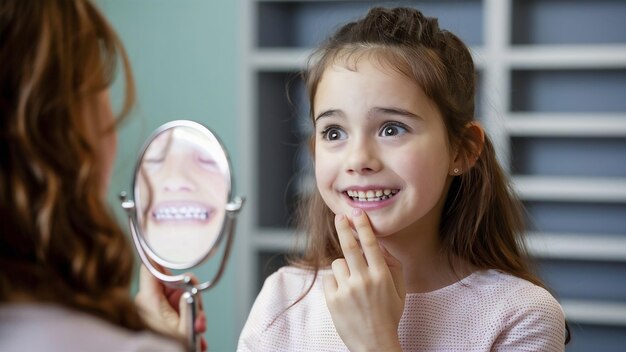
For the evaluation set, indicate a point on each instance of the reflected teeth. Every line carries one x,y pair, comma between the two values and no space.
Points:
372,195
181,213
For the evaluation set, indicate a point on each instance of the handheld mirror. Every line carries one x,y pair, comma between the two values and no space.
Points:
183,208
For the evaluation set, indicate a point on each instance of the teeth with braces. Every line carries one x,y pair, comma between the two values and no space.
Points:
371,195
181,213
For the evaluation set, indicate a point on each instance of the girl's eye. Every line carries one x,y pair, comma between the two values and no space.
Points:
152,164
333,133
207,163
393,129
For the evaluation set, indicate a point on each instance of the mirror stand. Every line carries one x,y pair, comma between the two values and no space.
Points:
184,281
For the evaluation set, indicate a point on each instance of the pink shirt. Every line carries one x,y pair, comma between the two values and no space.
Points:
486,311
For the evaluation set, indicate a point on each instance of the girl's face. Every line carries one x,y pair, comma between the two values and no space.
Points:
380,145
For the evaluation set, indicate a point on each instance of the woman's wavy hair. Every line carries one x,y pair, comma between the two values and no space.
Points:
58,240
482,220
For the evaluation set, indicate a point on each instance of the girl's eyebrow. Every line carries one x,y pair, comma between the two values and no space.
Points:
393,111
373,112
329,113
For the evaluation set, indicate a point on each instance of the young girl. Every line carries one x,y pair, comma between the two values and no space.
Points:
65,264
414,234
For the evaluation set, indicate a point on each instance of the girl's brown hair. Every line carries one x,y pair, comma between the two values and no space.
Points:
58,241
482,221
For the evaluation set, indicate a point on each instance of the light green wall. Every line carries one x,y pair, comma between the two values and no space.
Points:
184,58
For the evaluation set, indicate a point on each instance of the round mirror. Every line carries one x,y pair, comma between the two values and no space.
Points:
181,189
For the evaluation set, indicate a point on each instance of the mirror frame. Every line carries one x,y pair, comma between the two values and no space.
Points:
148,256
216,242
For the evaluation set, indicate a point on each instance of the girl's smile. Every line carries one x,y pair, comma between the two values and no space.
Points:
370,197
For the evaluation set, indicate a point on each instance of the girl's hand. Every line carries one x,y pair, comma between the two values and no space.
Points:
160,307
365,293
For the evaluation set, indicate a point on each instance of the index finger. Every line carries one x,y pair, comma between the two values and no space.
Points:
369,242
349,246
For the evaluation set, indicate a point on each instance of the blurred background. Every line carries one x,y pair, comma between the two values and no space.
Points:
552,95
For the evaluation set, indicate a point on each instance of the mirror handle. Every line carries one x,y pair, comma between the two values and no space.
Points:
191,305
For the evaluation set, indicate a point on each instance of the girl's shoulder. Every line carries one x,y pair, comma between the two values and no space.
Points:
289,280
500,283
287,312
500,291
511,294
529,314
289,270
493,308
286,287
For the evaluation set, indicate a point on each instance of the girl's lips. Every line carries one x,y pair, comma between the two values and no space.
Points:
371,204
182,212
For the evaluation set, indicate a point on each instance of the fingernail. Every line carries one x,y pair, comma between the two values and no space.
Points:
357,212
339,217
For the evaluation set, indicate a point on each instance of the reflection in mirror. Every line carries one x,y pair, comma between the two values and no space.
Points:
181,191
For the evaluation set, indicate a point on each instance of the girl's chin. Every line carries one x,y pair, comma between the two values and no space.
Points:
380,229
386,225
381,233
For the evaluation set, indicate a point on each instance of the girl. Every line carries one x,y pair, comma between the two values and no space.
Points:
414,233
66,263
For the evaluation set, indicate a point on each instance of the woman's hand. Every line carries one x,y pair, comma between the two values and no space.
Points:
163,308
365,293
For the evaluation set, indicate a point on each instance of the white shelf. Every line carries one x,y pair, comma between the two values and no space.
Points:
567,56
531,57
280,59
294,59
566,125
595,247
593,312
571,189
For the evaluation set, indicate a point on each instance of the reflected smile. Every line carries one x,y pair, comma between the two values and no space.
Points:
182,212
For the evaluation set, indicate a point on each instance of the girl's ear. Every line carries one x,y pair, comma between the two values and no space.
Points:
469,149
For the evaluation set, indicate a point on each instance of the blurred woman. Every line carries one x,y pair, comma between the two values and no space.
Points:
66,265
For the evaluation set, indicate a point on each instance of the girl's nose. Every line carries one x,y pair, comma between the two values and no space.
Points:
177,184
363,159
175,178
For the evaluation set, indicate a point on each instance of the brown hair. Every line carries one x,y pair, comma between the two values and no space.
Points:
58,241
482,221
